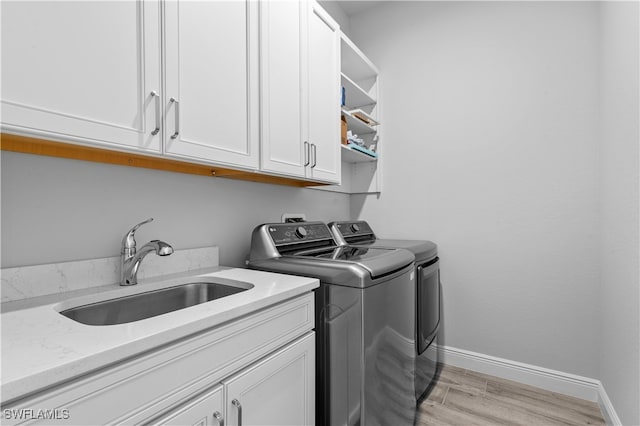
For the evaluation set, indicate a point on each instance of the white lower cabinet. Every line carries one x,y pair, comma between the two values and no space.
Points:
278,390
265,361
204,410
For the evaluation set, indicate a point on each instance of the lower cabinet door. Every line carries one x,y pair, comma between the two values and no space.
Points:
278,390
205,410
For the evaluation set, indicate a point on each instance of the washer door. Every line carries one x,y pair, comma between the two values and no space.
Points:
428,298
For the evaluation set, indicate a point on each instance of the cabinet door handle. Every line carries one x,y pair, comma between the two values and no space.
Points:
236,403
306,153
177,132
313,151
218,418
155,94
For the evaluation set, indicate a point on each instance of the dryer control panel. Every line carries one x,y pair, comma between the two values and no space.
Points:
352,231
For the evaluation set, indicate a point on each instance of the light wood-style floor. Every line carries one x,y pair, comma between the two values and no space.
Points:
465,397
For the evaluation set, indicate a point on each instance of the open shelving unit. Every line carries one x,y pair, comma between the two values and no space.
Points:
361,173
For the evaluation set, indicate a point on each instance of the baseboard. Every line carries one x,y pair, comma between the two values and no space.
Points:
609,413
552,380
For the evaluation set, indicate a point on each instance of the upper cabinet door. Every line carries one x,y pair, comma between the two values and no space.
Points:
211,101
324,95
282,78
300,90
82,71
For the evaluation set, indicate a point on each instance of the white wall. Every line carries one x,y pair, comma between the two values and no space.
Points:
620,293
490,115
337,13
57,210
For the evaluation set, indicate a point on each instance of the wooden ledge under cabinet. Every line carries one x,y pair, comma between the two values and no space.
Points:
29,145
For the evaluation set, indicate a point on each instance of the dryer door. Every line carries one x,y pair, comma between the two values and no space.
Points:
428,298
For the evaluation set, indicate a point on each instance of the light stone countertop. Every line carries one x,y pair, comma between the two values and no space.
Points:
41,347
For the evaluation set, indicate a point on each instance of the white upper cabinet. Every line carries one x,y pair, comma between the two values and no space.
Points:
281,48
300,88
324,94
82,71
211,74
245,84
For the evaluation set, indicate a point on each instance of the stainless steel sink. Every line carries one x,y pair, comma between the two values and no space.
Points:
150,304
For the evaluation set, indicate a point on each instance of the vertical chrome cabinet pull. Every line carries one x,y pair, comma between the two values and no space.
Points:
177,132
155,94
306,153
236,404
313,150
218,418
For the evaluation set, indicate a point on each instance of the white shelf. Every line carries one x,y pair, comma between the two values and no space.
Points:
355,96
353,156
361,173
363,116
354,63
358,126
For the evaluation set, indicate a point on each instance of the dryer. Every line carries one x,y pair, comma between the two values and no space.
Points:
427,296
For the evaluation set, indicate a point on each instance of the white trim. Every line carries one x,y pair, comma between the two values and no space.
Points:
609,413
552,380
544,378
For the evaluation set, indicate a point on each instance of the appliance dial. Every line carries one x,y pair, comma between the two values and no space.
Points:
355,227
301,232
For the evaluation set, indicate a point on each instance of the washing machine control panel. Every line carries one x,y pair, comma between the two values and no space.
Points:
288,233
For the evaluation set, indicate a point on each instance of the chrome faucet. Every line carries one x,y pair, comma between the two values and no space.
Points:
130,260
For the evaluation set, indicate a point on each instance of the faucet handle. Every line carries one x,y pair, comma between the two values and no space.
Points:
129,242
